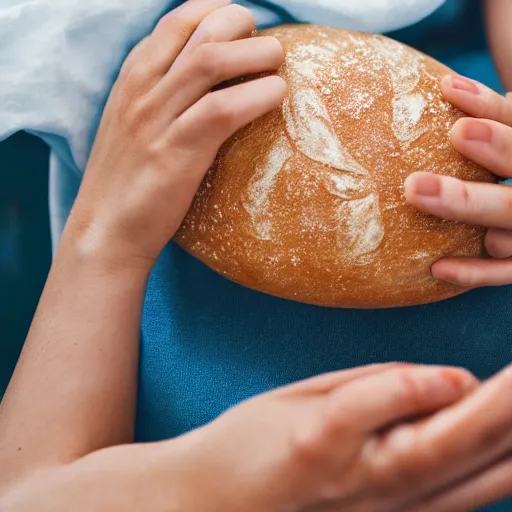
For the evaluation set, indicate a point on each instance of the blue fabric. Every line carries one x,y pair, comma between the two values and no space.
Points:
208,344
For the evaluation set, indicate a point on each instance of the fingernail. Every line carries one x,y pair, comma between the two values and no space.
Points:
460,83
427,185
468,380
478,131
460,380
445,387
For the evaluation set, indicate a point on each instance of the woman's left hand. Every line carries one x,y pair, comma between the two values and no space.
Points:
486,138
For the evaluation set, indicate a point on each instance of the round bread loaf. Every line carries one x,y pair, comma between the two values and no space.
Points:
307,203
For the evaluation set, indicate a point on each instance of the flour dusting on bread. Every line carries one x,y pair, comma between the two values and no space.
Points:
260,187
307,202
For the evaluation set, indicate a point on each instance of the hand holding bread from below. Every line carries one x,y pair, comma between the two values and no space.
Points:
307,203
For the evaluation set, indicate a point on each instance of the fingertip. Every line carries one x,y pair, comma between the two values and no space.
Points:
493,246
459,88
447,89
459,139
245,13
432,387
278,86
461,378
421,185
498,243
446,83
445,270
457,130
279,47
459,272
469,136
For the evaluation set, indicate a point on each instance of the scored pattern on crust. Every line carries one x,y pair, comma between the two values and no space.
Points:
310,130
307,203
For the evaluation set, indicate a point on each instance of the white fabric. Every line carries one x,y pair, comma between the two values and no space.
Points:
365,15
59,58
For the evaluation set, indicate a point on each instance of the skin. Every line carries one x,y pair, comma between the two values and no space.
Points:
331,443
487,140
498,15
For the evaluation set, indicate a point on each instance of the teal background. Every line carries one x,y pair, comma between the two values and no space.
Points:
24,241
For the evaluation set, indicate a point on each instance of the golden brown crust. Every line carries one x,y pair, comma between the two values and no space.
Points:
307,203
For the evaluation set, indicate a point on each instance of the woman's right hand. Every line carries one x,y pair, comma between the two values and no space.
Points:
383,438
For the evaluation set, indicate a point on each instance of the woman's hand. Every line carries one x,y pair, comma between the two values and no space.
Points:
366,440
163,125
383,438
487,140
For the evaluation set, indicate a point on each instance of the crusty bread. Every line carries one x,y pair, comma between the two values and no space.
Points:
307,203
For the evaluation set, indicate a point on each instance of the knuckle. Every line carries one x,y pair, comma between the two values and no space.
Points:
155,148
242,14
336,424
410,391
462,203
135,80
493,245
306,445
490,437
466,198
177,23
133,57
136,114
208,61
137,76
310,442
182,132
222,111
504,111
405,461
279,50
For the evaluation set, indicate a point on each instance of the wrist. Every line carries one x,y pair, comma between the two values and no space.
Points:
95,245
208,475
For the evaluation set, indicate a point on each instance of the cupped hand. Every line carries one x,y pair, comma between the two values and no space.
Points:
165,121
384,438
485,138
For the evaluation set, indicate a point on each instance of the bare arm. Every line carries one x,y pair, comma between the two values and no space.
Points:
499,23
74,389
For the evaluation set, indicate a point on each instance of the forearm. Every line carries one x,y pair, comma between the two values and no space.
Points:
499,21
74,389
128,478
